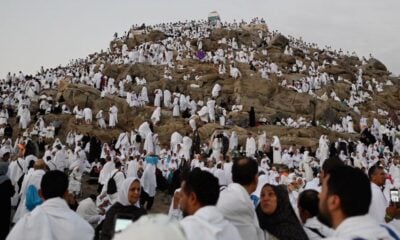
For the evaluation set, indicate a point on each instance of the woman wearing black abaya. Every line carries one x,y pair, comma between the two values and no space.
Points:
252,117
6,192
276,215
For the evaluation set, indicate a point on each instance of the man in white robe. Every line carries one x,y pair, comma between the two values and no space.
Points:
135,141
203,114
176,138
234,72
307,203
129,99
113,117
344,123
60,158
144,95
100,120
105,172
323,149
149,185
157,98
192,123
233,141
87,209
175,109
216,146
148,143
251,146
344,189
167,98
350,128
78,114
261,141
215,90
25,118
132,169
396,147
277,150
75,180
186,146
87,114
119,176
203,220
16,169
235,204
33,177
156,116
379,203
53,219
193,107
123,141
211,109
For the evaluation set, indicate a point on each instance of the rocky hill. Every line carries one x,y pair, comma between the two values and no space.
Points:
269,98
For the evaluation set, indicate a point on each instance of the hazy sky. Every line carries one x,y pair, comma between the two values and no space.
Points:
47,33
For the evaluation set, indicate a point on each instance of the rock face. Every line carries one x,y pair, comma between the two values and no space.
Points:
269,99
279,41
375,64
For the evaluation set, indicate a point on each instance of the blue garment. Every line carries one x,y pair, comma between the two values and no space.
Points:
392,233
153,159
32,199
255,200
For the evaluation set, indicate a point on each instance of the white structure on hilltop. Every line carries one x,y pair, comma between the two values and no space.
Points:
213,17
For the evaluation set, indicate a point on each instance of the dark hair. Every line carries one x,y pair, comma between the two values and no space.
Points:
204,185
6,155
373,169
31,163
331,163
54,184
353,188
309,201
244,170
93,197
118,164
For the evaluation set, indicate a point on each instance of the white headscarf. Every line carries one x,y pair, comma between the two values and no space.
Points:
123,192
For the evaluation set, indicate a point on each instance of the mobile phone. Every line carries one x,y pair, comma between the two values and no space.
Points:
121,222
395,196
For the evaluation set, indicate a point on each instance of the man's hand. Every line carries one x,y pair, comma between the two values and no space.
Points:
392,212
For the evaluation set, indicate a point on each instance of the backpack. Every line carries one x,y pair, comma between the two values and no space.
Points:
112,185
21,178
138,138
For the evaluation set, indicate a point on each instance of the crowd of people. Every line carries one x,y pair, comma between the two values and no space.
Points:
220,189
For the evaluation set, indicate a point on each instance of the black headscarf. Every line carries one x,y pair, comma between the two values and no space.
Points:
283,223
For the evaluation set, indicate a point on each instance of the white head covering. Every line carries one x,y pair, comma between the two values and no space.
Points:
123,192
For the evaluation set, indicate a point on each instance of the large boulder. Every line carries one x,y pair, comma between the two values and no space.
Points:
279,41
375,64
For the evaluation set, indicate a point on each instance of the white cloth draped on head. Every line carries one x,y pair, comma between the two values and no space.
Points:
124,191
